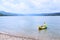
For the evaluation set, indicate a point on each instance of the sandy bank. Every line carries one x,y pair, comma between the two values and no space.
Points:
24,37
14,37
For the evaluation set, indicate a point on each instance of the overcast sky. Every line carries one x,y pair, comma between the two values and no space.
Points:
30,6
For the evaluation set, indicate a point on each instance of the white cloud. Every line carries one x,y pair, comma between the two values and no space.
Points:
8,0
1,7
39,3
3,0
19,7
34,6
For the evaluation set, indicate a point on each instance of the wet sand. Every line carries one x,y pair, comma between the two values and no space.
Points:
15,37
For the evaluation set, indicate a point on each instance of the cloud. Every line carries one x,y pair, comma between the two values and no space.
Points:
18,7
46,5
30,6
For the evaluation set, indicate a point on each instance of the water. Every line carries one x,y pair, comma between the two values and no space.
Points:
29,25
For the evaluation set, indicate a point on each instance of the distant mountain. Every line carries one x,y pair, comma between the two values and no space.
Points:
2,13
52,14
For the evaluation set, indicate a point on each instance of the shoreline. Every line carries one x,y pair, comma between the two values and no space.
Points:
11,37
6,36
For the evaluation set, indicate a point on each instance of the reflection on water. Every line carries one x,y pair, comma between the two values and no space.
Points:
29,25
43,30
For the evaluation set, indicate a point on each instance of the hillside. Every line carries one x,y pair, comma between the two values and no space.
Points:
2,13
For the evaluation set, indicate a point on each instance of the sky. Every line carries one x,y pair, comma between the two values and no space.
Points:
30,6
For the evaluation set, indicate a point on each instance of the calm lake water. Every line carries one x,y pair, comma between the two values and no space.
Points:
29,25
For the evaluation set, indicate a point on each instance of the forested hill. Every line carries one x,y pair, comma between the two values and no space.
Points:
2,13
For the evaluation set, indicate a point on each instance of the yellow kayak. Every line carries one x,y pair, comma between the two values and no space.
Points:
42,27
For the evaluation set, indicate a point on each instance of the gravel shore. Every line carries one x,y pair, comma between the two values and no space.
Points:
14,37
